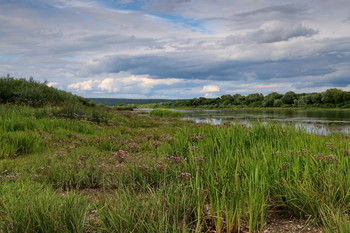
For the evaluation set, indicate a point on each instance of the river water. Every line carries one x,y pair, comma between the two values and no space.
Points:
319,122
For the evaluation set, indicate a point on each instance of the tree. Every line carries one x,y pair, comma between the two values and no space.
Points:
254,98
270,98
238,99
289,97
277,103
332,96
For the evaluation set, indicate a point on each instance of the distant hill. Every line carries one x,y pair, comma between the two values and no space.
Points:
114,101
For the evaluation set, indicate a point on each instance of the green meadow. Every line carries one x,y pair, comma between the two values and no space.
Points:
78,167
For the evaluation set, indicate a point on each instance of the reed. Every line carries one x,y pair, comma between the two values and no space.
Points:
65,169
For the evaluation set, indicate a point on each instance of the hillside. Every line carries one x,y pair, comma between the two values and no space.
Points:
36,94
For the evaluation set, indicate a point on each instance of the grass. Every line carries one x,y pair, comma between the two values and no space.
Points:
165,113
31,207
96,169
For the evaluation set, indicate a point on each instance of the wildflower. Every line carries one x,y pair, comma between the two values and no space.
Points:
185,176
149,137
169,139
121,155
290,152
70,148
160,166
277,152
175,159
133,146
123,142
305,151
12,175
199,158
145,167
157,143
330,146
141,139
41,132
59,154
82,157
197,138
6,174
332,157
227,123
324,157
346,152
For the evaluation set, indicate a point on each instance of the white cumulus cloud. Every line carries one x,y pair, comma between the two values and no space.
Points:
122,83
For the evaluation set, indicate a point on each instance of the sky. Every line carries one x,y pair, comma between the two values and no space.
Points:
177,49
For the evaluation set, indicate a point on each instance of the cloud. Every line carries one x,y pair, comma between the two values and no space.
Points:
273,31
282,10
210,88
347,20
122,83
176,48
52,84
279,63
83,86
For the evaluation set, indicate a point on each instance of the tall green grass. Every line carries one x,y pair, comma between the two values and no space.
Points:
29,207
166,209
247,170
154,174
166,113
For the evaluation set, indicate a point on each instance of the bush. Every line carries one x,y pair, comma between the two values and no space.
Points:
36,94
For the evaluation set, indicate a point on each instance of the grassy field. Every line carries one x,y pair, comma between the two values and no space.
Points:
93,169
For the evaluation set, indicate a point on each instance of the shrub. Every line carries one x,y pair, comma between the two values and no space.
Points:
36,94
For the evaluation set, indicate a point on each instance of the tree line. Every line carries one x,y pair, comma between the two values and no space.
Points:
331,98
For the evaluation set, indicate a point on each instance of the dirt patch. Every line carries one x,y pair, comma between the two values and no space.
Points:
280,223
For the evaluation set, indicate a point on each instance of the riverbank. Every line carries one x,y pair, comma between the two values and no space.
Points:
93,169
155,106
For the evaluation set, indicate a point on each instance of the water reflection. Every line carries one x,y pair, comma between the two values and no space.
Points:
319,122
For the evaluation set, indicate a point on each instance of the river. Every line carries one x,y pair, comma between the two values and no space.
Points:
319,122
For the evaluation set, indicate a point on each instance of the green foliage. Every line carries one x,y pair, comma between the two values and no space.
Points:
26,206
243,169
13,144
329,99
289,98
33,93
166,113
166,209
254,99
73,172
158,174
